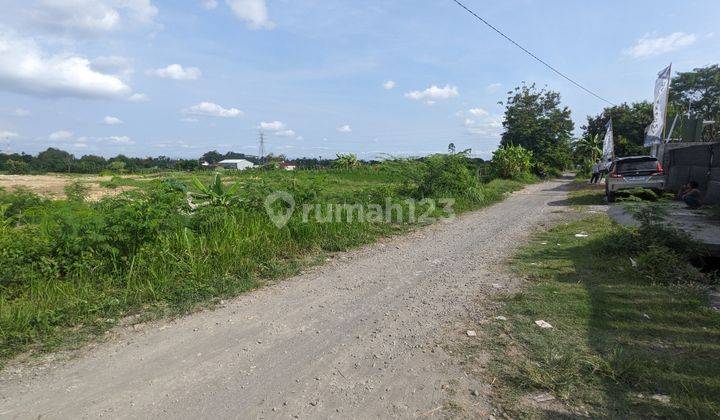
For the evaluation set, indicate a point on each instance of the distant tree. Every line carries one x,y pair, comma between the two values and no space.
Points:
451,148
587,150
535,120
117,166
54,160
212,157
629,124
511,162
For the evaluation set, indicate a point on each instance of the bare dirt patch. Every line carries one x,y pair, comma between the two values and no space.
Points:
53,185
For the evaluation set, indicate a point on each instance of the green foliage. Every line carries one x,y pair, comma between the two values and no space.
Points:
76,191
700,91
215,194
511,162
618,339
587,151
69,266
629,124
345,161
535,120
17,167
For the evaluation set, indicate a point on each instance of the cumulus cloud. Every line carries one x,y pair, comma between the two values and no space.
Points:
138,97
112,120
344,129
25,68
272,126
486,126
433,94
60,135
112,64
209,109
87,16
254,12
649,46
176,72
389,85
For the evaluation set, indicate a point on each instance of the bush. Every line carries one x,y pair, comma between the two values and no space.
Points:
17,167
511,162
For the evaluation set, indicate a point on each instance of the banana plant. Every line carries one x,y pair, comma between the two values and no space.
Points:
215,193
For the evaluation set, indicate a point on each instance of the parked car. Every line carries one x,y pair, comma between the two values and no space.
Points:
634,172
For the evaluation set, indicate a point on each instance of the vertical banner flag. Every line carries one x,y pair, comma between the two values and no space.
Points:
608,146
662,89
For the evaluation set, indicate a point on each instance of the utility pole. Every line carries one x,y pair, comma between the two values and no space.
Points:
262,146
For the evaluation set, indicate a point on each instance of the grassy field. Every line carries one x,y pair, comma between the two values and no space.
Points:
633,333
72,268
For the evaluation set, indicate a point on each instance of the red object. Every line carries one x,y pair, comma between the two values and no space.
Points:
659,170
615,175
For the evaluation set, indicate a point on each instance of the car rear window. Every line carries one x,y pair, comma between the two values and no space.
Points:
640,165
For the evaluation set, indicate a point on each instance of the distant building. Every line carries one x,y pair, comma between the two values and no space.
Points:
239,164
287,166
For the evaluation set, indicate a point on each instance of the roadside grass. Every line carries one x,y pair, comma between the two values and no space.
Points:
622,345
72,269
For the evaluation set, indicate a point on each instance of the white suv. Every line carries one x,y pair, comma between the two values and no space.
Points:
634,172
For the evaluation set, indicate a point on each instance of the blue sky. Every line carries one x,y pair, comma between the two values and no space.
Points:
400,77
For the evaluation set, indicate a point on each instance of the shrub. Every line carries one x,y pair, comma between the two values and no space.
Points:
511,162
17,167
76,191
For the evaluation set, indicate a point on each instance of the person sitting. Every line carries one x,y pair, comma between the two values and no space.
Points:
682,191
693,197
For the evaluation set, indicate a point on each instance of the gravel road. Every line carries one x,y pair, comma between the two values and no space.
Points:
362,336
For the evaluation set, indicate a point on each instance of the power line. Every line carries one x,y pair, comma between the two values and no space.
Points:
561,74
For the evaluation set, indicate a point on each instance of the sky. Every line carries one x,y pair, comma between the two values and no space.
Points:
375,78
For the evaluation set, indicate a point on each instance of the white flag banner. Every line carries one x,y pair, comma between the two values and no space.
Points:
608,145
654,132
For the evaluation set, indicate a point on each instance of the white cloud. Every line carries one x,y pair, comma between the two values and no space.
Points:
8,134
209,109
88,16
176,72
138,97
112,64
648,46
272,126
344,129
478,112
25,68
21,112
433,94
493,87
209,4
286,133
112,120
122,140
254,12
60,135
389,85
487,126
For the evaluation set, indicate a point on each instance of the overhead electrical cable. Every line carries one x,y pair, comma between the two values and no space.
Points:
561,74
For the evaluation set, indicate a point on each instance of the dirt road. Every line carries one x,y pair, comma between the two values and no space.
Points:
360,337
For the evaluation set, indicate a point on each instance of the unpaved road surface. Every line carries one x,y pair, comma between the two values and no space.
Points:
360,337
53,185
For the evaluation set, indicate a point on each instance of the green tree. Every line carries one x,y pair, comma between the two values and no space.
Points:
629,124
451,148
535,120
698,92
346,161
55,160
587,150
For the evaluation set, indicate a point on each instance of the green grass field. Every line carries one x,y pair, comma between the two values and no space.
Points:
624,344
71,269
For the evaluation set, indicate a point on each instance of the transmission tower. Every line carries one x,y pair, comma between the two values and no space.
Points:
262,146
